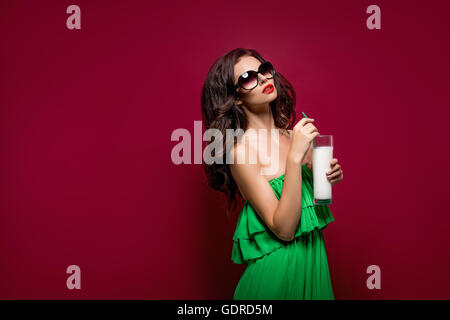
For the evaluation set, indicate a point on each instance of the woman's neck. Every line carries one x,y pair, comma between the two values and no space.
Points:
260,120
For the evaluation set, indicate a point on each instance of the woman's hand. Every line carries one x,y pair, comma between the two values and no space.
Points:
335,174
304,133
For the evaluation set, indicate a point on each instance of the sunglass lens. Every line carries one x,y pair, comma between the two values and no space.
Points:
249,80
267,70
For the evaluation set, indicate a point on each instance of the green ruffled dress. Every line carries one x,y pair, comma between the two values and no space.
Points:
284,270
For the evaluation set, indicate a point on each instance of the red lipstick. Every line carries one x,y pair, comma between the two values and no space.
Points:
268,89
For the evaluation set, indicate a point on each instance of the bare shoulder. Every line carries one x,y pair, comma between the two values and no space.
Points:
245,166
242,152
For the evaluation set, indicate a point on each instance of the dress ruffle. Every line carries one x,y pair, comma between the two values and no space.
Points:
253,239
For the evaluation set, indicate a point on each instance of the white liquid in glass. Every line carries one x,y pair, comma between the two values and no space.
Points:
321,164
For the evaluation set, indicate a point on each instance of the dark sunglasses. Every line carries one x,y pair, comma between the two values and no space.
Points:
249,79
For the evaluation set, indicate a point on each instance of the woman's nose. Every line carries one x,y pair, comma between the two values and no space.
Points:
262,79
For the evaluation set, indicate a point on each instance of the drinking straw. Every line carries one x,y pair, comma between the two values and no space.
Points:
314,141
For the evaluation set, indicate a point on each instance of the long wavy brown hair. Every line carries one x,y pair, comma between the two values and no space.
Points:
220,111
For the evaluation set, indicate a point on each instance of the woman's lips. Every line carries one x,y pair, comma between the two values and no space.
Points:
269,89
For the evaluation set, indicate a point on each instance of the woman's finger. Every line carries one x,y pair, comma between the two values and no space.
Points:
334,175
334,169
336,180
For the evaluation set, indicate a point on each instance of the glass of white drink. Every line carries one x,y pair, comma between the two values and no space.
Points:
322,154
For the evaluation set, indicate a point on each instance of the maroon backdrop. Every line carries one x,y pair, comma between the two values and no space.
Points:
87,115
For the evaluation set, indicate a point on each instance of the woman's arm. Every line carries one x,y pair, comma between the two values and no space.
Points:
308,157
281,216
287,214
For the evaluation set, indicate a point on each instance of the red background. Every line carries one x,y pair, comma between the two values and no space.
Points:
87,115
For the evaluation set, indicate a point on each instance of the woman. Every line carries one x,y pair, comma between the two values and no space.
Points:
279,229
